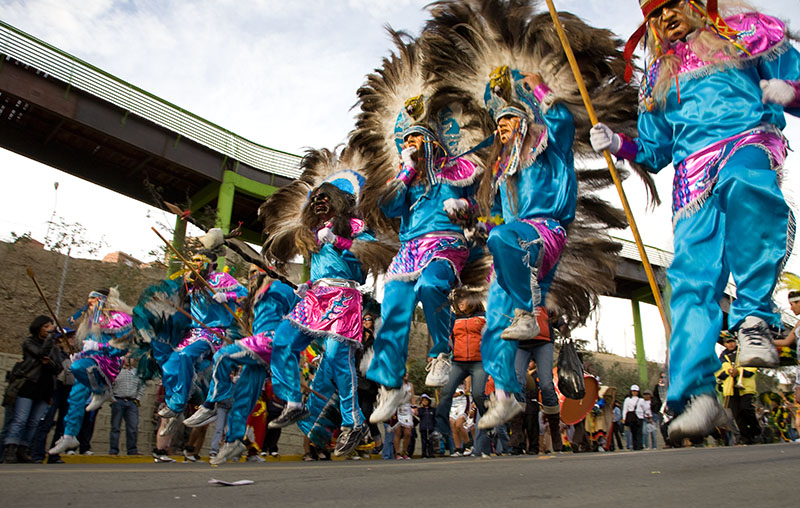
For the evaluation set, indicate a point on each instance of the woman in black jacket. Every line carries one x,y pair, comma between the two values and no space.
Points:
39,371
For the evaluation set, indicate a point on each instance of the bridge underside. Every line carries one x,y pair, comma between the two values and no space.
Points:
45,120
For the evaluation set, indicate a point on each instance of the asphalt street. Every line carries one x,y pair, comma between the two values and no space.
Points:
752,476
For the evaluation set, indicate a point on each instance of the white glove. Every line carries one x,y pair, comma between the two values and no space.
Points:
408,156
90,345
603,138
777,91
325,235
220,297
301,290
453,206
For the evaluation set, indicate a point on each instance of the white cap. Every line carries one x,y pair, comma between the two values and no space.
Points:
635,388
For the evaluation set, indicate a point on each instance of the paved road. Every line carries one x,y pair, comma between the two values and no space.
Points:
754,476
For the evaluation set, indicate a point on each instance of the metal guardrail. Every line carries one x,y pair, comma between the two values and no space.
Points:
658,257
76,73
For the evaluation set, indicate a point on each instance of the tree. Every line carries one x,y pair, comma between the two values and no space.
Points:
68,237
64,237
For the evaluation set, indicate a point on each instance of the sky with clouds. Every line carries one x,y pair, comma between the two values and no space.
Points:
283,74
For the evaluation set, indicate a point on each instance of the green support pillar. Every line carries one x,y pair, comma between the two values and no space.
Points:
225,201
178,241
225,197
667,298
637,331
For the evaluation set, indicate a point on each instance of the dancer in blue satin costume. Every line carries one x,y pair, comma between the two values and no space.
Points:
105,329
532,191
179,363
432,253
712,104
330,307
272,300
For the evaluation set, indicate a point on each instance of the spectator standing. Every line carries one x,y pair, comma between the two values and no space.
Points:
466,345
738,387
405,420
223,408
57,411
389,429
633,416
87,431
531,421
274,408
127,390
540,349
427,425
30,387
650,431
368,390
792,337
617,427
659,404
458,416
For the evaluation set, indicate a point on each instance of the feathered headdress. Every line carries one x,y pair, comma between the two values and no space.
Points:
288,234
469,43
467,40
790,281
397,100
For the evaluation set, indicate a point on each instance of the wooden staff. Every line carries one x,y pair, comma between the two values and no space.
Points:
199,277
614,174
64,339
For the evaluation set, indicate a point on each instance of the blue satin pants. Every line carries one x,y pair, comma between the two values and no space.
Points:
245,391
516,251
739,230
339,373
88,380
177,373
397,312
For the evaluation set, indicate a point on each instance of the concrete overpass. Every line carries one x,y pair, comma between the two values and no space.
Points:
68,114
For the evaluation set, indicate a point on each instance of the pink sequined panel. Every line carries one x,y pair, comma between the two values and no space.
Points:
331,311
260,344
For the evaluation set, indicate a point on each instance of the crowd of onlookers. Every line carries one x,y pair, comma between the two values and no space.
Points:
434,423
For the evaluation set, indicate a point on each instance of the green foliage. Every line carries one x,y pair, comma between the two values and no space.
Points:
623,376
23,238
70,238
417,374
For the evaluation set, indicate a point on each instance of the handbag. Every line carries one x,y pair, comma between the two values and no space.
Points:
17,377
631,418
570,372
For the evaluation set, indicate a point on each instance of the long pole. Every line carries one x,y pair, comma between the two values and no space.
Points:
587,101
32,275
199,277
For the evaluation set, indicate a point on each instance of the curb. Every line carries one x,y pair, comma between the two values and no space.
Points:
148,459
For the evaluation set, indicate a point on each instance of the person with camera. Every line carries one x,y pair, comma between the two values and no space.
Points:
30,388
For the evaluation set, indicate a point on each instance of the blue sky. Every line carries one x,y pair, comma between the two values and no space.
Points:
283,74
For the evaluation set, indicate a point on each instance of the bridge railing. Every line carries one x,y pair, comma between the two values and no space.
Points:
81,75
